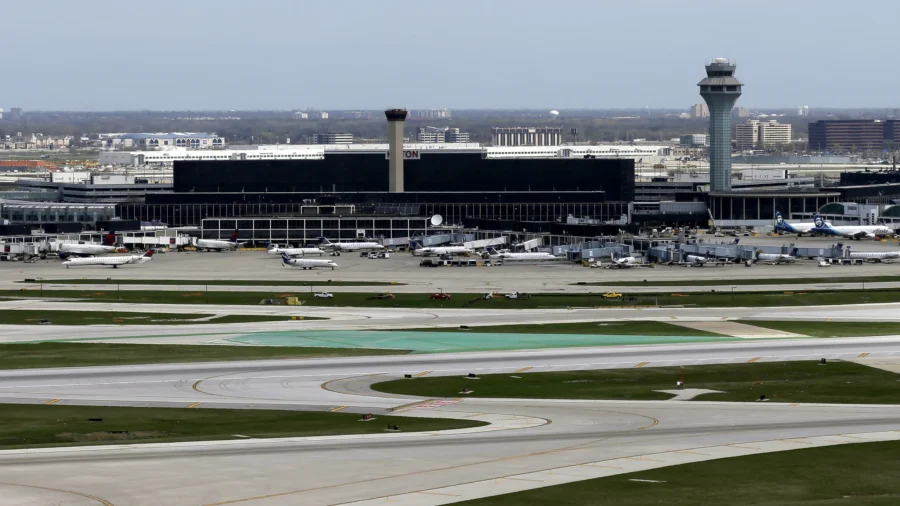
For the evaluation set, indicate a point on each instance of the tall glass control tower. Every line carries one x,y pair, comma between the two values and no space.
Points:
720,90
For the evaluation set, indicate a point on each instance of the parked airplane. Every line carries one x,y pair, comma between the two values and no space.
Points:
87,248
792,228
696,260
852,231
873,256
114,261
417,249
777,258
349,246
306,263
218,245
522,257
624,262
294,252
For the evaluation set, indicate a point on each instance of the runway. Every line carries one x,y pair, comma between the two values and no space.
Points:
345,469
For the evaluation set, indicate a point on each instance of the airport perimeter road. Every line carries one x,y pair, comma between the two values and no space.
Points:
528,436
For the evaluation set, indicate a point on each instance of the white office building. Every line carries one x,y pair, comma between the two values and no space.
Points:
526,136
332,138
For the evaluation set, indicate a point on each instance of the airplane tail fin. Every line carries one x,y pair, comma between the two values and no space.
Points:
492,251
414,245
285,258
795,252
149,253
234,237
324,241
736,240
110,238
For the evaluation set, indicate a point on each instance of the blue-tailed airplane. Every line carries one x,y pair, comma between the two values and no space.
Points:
852,231
792,228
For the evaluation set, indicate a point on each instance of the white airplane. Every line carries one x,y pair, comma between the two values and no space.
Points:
522,257
777,258
696,260
306,263
873,256
350,246
295,252
86,248
218,245
417,249
793,228
852,231
624,262
114,261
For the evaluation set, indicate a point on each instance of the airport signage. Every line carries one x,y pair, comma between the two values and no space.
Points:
408,154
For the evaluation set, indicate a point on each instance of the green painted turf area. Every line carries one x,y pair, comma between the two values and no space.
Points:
861,474
836,382
55,317
830,329
209,282
78,354
625,328
751,281
458,341
475,301
31,426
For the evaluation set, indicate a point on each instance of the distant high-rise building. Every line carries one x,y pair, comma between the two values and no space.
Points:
720,90
357,115
746,135
526,136
740,112
848,135
699,111
332,138
693,140
433,114
430,135
1,113
803,110
301,115
772,133
15,113
453,135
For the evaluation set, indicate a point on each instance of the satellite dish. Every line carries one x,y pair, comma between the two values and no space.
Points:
436,220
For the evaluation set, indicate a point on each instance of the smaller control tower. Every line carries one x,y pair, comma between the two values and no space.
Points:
721,90
396,118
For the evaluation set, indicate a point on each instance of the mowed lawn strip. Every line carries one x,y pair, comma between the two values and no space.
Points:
61,317
72,354
814,476
836,382
830,329
475,300
648,328
32,426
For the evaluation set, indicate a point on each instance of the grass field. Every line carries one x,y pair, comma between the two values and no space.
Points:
837,382
29,426
752,281
831,329
79,354
53,317
862,474
475,301
641,328
208,282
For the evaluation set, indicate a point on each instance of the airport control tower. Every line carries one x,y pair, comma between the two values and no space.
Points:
395,118
720,90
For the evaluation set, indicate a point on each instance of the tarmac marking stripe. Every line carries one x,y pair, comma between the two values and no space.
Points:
339,408
522,369
795,404
795,441
743,447
754,359
861,355
852,437
423,373
54,401
194,405
437,493
642,364
644,459
519,479
194,386
598,465
691,453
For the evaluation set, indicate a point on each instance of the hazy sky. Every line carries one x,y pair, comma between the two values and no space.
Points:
285,54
